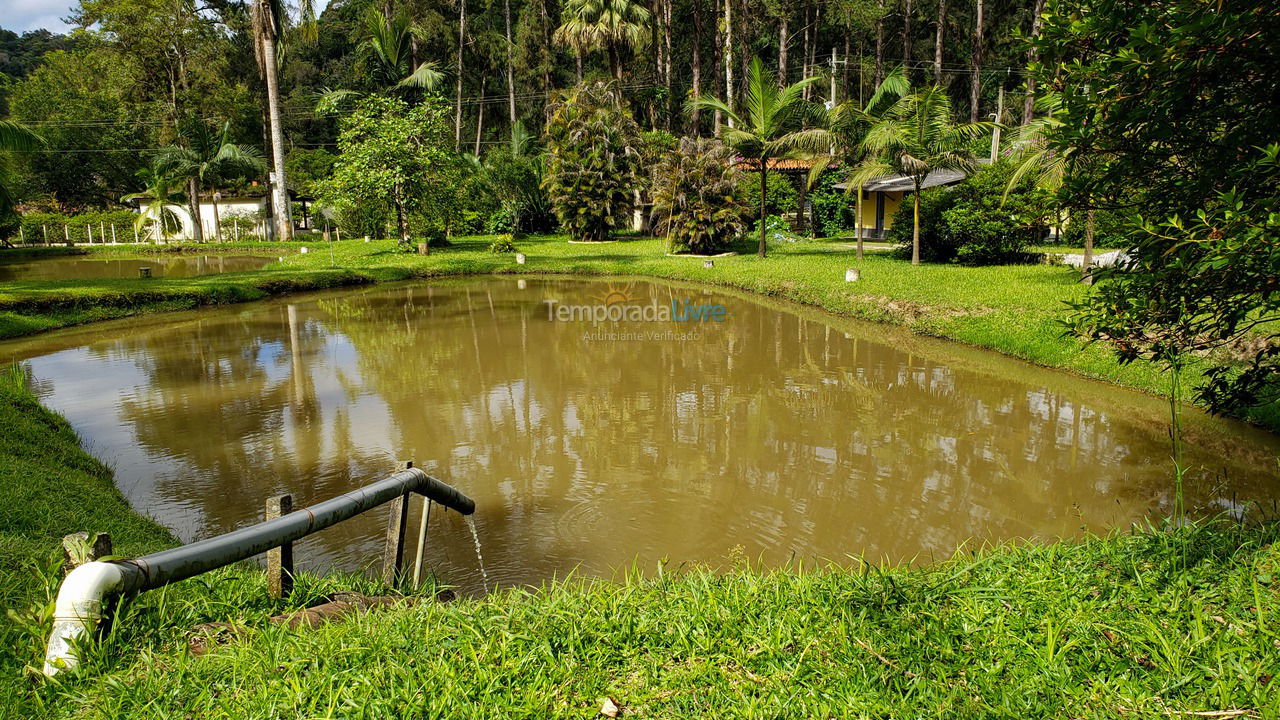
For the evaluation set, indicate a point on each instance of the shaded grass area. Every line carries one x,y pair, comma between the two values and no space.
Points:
1149,625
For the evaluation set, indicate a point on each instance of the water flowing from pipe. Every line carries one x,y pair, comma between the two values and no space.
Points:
471,524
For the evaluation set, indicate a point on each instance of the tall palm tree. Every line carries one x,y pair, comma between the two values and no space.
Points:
158,201
14,137
914,137
848,123
766,125
390,47
268,25
207,158
1047,168
608,25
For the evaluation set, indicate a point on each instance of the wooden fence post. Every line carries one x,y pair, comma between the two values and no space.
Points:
398,518
82,547
280,560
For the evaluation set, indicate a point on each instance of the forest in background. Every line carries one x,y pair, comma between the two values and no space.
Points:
122,85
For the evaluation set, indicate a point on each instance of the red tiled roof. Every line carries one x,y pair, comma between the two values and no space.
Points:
781,164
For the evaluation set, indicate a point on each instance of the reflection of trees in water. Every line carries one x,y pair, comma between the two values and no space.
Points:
772,430
232,404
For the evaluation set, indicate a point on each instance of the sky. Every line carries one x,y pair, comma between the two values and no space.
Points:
23,15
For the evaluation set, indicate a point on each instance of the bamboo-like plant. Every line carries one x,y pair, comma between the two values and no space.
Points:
914,137
767,125
592,160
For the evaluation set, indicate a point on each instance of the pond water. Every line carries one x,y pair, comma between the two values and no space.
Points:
765,431
75,268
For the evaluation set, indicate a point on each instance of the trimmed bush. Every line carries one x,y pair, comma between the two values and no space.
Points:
973,222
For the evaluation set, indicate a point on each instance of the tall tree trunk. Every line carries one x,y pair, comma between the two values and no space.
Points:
880,45
457,100
783,41
857,224
511,76
915,230
805,70
717,59
402,222
728,57
280,188
937,42
1086,276
1029,103
480,116
547,53
695,117
975,65
906,37
197,227
844,69
764,194
217,218
577,65
666,77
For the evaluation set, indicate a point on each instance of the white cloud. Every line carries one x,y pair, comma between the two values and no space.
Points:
23,15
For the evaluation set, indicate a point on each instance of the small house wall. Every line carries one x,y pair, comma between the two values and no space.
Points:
244,207
892,201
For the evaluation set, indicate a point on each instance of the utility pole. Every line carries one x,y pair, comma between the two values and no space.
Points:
831,99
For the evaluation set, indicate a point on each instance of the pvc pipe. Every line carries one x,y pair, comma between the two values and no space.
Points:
79,607
79,604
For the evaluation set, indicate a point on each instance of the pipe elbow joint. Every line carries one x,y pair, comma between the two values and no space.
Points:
78,611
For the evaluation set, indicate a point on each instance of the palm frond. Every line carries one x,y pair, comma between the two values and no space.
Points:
428,77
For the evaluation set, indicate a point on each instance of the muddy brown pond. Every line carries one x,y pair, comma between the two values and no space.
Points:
72,268
684,433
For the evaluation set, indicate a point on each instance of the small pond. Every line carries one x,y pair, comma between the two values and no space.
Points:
80,268
764,431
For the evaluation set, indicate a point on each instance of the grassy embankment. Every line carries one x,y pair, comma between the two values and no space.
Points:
1147,625
1014,309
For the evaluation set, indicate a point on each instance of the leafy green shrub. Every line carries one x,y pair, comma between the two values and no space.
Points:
501,221
396,164
515,179
973,222
782,199
1111,229
694,197
504,243
832,208
592,161
935,245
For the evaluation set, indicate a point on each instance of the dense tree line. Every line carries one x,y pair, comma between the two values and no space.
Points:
125,83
